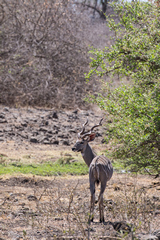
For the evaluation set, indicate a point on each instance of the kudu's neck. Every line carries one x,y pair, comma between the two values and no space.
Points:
88,155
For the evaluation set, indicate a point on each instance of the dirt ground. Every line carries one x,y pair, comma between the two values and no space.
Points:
34,207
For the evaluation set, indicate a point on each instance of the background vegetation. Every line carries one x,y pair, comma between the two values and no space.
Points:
43,53
134,106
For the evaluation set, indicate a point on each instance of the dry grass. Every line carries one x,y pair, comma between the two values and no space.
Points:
33,207
48,208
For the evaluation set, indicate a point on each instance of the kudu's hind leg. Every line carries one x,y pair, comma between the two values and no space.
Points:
92,203
100,199
101,209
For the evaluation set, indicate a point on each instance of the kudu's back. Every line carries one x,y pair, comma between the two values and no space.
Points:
101,169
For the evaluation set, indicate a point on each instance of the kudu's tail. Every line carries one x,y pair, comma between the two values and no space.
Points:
94,171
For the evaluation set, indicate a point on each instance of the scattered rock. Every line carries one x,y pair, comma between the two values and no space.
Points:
58,218
6,109
3,120
24,124
116,187
155,198
157,234
2,115
44,127
33,140
56,142
24,180
66,143
46,142
32,198
55,115
121,226
76,111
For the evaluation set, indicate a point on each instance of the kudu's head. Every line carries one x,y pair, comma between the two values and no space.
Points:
85,137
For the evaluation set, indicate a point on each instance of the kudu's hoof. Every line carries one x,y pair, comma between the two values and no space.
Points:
90,220
102,220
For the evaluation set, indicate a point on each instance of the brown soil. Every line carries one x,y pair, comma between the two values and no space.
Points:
57,208
33,207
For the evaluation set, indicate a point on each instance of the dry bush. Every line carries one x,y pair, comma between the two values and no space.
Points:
43,53
99,7
134,205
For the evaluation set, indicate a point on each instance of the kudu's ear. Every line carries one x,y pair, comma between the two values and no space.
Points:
91,137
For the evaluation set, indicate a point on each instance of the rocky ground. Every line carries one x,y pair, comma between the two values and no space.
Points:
34,207
44,126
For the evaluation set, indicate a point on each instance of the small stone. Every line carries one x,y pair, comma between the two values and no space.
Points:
32,198
3,120
76,111
43,129
157,234
58,218
24,124
46,123
46,142
155,198
33,140
6,109
56,142
2,116
66,143
55,115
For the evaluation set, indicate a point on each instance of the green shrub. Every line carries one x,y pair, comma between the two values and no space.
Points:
134,107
